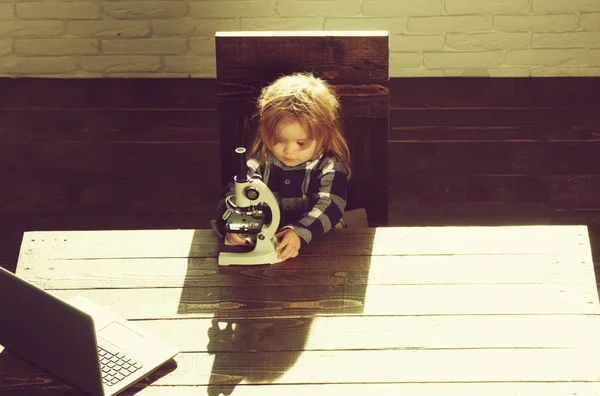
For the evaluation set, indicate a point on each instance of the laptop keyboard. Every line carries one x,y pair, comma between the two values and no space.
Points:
116,366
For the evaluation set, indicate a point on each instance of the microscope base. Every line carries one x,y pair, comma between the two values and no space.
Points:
251,258
263,253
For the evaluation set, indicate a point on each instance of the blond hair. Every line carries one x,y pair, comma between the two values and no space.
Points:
311,102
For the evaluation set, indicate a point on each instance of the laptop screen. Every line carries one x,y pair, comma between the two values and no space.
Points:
49,333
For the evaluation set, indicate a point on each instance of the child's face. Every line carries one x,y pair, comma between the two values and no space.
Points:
293,147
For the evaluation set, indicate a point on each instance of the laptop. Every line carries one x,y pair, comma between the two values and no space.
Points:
77,340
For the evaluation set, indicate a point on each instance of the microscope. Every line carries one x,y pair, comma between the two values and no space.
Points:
245,214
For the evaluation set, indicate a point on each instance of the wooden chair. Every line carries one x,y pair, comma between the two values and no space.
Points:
354,63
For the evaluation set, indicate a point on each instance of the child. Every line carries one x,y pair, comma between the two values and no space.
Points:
301,154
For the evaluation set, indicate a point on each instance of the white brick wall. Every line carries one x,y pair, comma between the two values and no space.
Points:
158,38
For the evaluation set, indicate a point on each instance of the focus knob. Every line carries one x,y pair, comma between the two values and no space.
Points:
251,193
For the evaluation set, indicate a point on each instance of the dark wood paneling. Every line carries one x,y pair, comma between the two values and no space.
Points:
10,245
107,93
475,92
494,133
551,118
169,218
190,159
106,154
366,188
103,126
482,151
107,192
561,192
495,158
142,153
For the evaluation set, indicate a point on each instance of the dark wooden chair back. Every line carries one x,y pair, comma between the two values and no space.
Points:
354,63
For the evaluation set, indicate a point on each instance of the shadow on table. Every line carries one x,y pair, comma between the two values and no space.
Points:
263,314
19,377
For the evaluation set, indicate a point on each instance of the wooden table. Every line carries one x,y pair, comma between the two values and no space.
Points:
386,311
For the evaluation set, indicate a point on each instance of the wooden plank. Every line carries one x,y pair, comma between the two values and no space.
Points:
108,126
57,273
466,389
386,366
551,191
381,366
478,197
106,220
372,366
476,92
353,242
496,117
108,93
109,133
117,193
92,159
327,337
124,243
486,158
515,214
495,133
379,332
304,300
52,386
338,300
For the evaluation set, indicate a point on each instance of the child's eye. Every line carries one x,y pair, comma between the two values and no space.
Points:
300,144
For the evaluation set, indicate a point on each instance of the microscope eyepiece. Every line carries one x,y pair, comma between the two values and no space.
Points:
242,174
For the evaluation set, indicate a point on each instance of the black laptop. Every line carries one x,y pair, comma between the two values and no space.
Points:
83,343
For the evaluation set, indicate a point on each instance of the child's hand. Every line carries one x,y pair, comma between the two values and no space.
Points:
235,239
289,245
